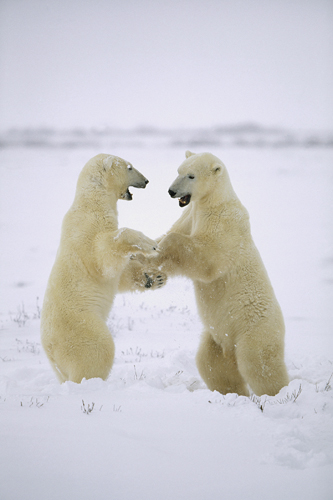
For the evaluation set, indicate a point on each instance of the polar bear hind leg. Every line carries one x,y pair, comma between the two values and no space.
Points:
91,355
262,366
218,369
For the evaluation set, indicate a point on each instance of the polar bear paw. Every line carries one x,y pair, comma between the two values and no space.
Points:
155,279
136,242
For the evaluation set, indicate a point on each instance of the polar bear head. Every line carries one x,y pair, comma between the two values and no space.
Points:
122,173
110,174
201,176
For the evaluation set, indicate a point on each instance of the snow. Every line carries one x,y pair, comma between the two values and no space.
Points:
153,430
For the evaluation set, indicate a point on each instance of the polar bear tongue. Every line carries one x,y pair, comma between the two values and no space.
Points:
184,200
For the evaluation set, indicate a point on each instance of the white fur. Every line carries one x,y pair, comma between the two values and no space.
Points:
94,261
243,339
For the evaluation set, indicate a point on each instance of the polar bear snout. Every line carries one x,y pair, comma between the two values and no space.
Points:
182,188
183,199
136,179
140,184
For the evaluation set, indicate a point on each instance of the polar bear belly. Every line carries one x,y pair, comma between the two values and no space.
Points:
212,301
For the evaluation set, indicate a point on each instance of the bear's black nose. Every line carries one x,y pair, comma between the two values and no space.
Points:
171,193
146,181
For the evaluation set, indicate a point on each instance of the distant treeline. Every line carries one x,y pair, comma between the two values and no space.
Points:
242,135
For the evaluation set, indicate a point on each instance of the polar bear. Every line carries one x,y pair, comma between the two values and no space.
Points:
243,339
93,262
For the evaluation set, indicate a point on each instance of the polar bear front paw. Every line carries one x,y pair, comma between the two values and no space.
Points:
136,242
155,279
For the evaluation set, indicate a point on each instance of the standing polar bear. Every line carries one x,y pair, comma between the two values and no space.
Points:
93,263
243,338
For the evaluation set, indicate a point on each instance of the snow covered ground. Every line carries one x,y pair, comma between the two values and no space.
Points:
152,430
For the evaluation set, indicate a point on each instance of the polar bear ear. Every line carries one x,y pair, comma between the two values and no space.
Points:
107,163
188,154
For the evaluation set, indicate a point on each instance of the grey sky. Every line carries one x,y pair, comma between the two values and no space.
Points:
166,63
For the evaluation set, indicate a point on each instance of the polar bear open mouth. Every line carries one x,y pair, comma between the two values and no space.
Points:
184,200
127,195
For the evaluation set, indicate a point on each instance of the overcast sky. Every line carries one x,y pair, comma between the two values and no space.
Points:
166,63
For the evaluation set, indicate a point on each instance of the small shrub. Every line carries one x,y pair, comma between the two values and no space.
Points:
257,400
35,402
328,384
21,316
291,397
87,409
138,377
32,347
38,309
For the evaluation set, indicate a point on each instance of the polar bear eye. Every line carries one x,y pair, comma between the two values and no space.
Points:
129,167
190,176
